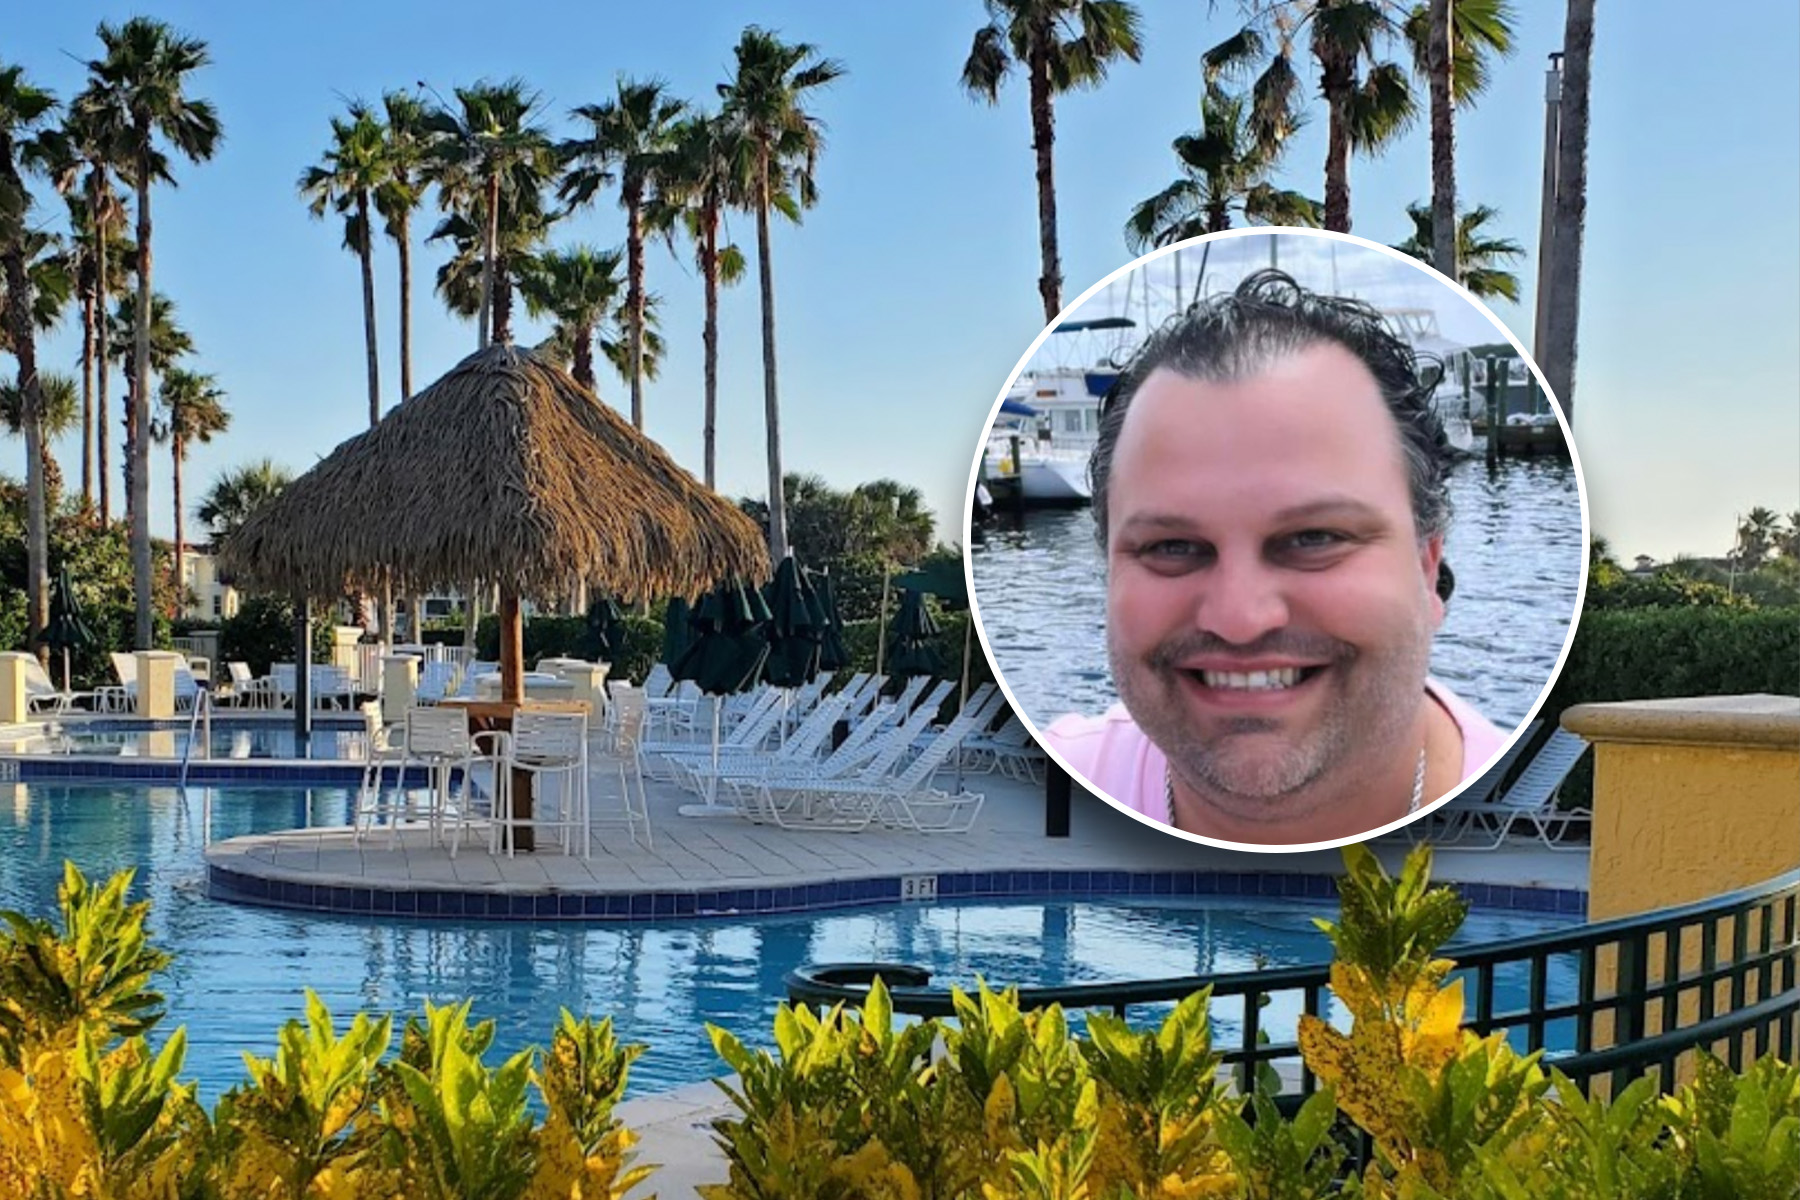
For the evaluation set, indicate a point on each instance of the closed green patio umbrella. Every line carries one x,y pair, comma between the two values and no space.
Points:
833,654
607,624
944,579
68,628
910,651
795,625
677,631
726,656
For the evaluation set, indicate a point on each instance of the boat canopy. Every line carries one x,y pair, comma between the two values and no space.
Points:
1097,323
1016,408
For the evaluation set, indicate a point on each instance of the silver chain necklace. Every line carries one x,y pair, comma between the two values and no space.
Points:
1418,791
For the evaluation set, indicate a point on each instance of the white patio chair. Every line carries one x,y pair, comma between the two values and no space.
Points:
438,740
551,747
119,697
241,688
625,727
435,680
1459,818
1531,800
658,682
42,694
384,746
283,683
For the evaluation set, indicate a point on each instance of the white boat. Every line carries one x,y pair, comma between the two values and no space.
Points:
1054,443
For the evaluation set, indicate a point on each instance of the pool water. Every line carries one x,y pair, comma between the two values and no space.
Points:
239,971
230,740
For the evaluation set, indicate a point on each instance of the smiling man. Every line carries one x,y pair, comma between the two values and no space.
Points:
1269,490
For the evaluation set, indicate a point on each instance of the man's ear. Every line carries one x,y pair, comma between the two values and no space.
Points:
1431,560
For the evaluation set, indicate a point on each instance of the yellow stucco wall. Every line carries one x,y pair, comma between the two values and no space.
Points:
1692,798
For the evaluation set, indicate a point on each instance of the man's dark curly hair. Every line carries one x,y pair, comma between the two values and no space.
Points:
1267,318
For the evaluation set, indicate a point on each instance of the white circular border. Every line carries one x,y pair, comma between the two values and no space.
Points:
1435,277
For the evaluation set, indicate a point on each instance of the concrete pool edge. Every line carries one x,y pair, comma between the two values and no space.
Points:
235,876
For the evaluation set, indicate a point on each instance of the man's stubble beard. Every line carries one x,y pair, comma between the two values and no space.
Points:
1277,782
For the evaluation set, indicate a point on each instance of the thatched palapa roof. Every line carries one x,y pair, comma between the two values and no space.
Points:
505,471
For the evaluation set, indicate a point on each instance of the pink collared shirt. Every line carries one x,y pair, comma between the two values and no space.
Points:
1112,754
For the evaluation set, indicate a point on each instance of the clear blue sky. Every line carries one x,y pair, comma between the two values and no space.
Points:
909,293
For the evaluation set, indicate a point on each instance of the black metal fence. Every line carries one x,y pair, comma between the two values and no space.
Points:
1608,1001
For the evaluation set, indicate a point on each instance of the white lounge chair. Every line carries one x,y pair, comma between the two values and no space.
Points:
904,800
42,694
1531,800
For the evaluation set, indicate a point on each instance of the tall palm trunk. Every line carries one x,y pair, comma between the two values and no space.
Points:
102,445
87,391
490,236
404,236
178,451
1443,141
140,404
1571,207
1218,218
634,296
1337,79
1043,140
365,254
582,367
709,337
771,403
503,298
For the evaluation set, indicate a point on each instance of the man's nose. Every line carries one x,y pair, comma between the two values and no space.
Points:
1241,602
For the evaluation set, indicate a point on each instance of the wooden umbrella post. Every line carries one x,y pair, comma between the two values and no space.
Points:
512,694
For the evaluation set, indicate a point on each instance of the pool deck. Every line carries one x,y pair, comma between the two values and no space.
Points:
725,864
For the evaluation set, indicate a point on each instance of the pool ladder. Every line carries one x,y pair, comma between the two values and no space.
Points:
199,720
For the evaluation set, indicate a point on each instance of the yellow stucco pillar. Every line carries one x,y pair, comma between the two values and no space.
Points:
13,709
1692,797
156,683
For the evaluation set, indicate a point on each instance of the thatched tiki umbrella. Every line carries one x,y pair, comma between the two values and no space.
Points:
507,472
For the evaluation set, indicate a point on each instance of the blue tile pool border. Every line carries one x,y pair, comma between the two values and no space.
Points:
241,887
60,768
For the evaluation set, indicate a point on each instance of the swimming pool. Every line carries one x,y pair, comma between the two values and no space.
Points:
239,739
239,971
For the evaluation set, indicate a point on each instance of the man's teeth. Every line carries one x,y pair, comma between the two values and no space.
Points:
1283,677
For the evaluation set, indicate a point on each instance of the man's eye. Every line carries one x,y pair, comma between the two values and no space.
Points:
1311,540
1175,553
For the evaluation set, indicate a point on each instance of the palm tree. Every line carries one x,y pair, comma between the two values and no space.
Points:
1478,256
487,159
1225,167
1564,302
83,172
1062,45
345,180
1367,99
578,288
1757,534
1450,44
139,93
403,161
236,493
1787,544
57,415
778,142
634,131
520,230
699,187
168,342
25,109
193,410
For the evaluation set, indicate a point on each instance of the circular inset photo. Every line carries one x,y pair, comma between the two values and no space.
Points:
1277,540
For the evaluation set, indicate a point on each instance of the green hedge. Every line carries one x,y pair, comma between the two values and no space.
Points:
262,633
572,637
1663,653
